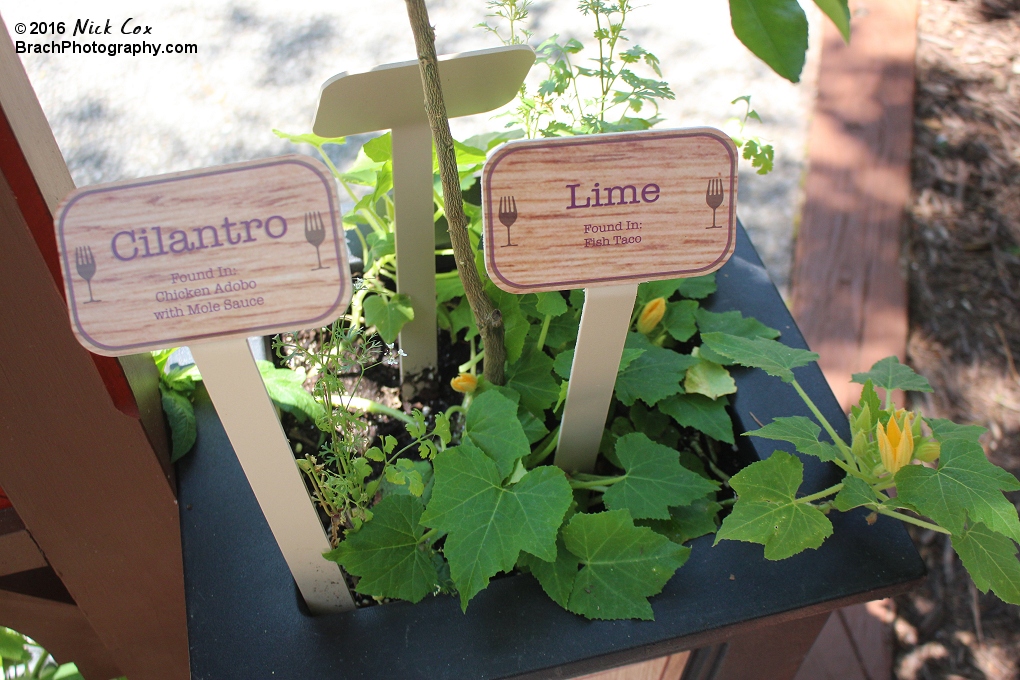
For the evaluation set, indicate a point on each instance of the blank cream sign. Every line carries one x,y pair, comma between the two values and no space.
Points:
237,250
579,212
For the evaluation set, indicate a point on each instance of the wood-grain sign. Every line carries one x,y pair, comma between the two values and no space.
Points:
604,210
237,250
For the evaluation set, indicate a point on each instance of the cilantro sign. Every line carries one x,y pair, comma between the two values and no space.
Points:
207,258
236,250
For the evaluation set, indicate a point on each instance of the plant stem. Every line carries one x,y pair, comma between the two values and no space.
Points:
844,449
427,536
369,406
545,331
470,363
597,484
910,520
821,494
487,316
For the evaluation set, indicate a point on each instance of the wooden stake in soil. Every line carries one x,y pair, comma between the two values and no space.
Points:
207,258
487,316
391,96
605,213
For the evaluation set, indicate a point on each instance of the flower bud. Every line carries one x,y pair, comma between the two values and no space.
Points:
651,315
465,383
928,450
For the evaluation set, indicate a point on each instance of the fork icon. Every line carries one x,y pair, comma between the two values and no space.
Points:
507,215
714,197
85,263
315,234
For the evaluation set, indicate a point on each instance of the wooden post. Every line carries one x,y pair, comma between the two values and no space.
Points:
391,97
97,503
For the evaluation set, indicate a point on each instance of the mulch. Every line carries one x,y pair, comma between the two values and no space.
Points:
963,264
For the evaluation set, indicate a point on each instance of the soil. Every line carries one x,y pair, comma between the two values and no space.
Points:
963,260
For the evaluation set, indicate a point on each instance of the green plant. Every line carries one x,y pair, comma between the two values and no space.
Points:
23,659
177,387
575,99
888,452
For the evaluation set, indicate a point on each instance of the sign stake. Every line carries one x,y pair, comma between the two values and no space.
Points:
415,238
605,319
250,421
606,213
207,258
391,97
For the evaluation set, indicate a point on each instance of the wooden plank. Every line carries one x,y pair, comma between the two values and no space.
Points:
832,657
114,538
18,552
572,213
663,668
848,293
39,179
62,630
230,251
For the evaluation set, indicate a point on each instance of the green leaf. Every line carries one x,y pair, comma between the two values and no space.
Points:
698,287
622,565
388,316
703,414
710,379
855,493
892,375
515,323
650,290
181,416
555,577
991,560
839,12
493,427
487,524
534,429
532,378
802,432
551,304
733,323
771,356
965,485
422,468
12,646
679,319
654,479
379,149
286,389
386,554
448,288
654,375
688,522
309,138
767,511
776,31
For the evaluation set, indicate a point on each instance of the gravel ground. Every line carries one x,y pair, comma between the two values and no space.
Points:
259,66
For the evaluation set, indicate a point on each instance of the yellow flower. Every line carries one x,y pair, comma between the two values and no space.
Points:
651,315
896,442
464,383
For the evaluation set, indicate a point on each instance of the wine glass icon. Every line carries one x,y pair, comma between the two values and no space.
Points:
507,215
85,263
315,234
714,197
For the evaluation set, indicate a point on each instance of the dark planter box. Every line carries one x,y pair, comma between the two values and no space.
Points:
748,617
